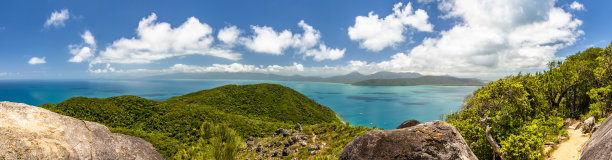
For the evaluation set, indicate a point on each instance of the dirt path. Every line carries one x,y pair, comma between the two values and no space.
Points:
571,148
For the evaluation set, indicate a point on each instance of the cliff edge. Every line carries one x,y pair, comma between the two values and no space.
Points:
30,132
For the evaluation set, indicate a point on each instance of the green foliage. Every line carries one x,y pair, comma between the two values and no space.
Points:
205,124
215,142
424,80
525,111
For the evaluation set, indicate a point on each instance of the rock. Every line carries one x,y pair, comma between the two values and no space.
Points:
303,144
588,124
286,152
431,140
259,148
30,132
275,153
568,122
562,138
281,131
249,144
313,152
408,123
298,127
314,147
277,143
293,140
251,138
599,146
595,127
549,143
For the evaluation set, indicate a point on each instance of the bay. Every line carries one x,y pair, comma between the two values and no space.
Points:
381,106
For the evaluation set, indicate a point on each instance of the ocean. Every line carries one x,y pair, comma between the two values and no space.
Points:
381,106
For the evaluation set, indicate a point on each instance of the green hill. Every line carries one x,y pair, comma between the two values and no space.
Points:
203,123
424,80
267,102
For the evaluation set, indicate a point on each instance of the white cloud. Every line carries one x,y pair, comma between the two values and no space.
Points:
228,35
57,19
83,52
376,33
37,60
234,67
88,38
576,6
107,68
267,40
308,39
492,38
158,40
324,53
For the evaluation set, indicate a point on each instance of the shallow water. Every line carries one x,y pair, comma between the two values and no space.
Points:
383,107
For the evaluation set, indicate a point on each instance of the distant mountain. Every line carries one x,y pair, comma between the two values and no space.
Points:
348,78
423,80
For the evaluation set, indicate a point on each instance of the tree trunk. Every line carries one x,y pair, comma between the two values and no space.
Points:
496,147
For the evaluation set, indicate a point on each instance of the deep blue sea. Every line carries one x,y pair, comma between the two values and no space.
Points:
383,107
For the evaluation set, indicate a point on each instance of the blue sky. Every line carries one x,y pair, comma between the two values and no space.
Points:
468,38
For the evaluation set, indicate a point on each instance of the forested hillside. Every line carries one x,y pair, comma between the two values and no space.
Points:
513,117
211,124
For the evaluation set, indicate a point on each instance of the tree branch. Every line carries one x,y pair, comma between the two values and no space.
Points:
496,147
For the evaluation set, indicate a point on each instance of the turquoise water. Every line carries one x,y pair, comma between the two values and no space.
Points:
383,107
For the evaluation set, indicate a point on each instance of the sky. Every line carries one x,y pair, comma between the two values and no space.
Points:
465,38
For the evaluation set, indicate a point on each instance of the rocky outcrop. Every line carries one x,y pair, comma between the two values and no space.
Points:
588,124
599,146
30,132
431,140
408,123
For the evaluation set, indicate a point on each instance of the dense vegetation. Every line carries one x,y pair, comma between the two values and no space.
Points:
513,117
209,124
424,80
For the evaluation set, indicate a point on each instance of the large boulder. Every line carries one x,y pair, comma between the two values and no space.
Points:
588,124
30,132
431,140
408,123
599,146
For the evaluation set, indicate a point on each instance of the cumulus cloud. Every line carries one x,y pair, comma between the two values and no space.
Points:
158,40
37,60
323,53
57,18
491,37
266,40
105,69
576,6
229,34
84,51
376,33
234,67
88,38
287,70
